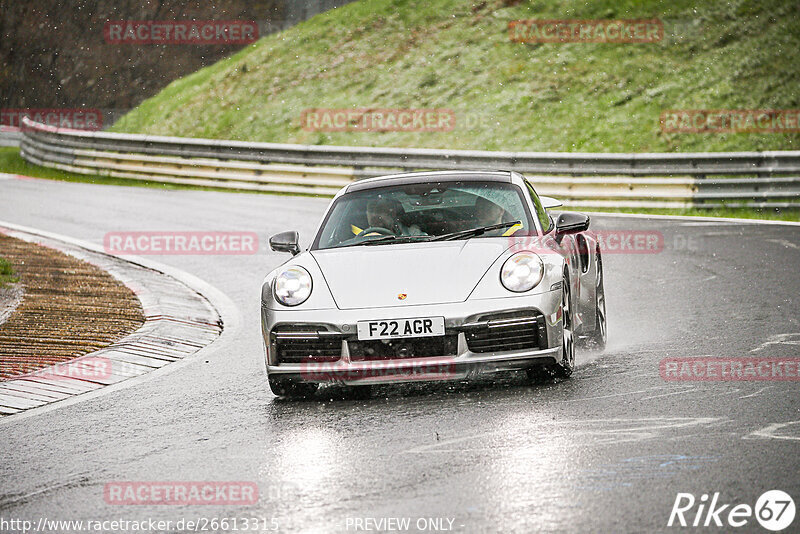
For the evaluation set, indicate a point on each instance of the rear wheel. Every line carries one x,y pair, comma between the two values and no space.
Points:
598,338
292,389
564,369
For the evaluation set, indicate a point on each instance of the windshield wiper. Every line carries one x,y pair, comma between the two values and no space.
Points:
475,231
396,239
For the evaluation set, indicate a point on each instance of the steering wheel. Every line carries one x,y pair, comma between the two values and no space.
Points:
374,230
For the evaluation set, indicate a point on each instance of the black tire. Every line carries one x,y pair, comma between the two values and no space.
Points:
292,389
567,364
540,374
358,392
597,339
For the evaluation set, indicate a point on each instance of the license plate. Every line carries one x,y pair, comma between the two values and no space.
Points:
397,328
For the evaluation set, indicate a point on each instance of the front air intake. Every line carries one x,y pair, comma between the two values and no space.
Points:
305,344
507,332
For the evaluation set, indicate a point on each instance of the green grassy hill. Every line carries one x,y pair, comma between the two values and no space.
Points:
506,95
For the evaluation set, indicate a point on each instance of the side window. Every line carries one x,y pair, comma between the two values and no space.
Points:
541,213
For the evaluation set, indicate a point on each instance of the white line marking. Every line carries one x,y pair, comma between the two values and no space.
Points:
769,431
630,430
687,390
756,393
690,218
711,223
785,243
615,394
780,339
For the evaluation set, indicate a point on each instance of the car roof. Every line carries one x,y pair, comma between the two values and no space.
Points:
428,177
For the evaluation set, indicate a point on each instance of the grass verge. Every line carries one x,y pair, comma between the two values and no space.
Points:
560,97
7,275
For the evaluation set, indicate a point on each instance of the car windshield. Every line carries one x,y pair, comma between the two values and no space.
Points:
423,211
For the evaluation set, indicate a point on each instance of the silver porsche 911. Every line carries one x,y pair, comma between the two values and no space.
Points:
432,276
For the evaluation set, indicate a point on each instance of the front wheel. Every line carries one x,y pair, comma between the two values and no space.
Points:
292,389
540,374
564,369
358,392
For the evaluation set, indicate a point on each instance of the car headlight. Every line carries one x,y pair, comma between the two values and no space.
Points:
521,272
293,286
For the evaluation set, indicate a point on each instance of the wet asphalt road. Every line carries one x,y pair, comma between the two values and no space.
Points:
607,450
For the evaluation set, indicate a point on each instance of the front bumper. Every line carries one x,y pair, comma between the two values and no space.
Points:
348,364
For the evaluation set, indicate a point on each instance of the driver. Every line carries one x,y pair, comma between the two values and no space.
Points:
387,213
384,213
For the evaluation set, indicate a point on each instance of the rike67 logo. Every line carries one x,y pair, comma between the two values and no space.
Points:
774,510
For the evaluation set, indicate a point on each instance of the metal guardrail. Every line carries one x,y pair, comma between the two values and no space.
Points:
579,179
9,137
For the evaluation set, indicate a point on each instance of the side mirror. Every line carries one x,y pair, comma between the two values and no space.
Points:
285,242
570,222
